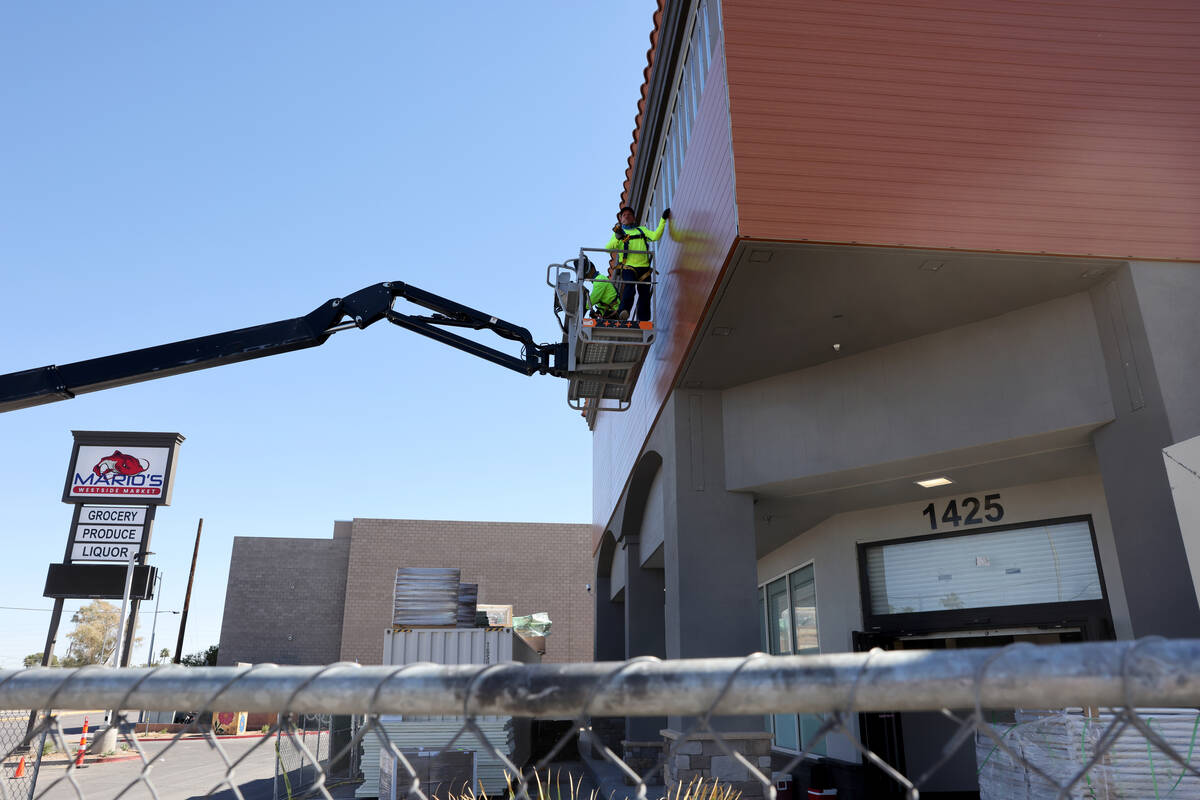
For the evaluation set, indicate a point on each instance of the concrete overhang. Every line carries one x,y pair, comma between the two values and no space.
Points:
783,512
783,306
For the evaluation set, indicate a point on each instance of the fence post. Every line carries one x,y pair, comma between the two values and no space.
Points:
278,731
37,763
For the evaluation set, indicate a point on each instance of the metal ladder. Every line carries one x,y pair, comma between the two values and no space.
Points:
604,357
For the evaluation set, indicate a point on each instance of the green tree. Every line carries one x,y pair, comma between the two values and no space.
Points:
94,636
164,655
205,658
35,660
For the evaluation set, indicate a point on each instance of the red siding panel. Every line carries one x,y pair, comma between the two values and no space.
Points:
703,230
1005,125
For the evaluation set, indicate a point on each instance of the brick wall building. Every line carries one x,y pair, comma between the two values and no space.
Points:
316,601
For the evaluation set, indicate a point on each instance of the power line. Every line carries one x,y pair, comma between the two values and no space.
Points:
21,608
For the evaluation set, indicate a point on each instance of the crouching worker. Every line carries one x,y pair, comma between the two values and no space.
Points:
604,301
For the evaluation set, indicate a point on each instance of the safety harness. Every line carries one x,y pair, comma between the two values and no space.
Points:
640,234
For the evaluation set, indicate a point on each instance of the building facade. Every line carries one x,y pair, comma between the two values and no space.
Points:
945,243
318,601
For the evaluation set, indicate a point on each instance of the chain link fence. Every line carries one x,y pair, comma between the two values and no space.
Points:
1100,720
22,754
302,743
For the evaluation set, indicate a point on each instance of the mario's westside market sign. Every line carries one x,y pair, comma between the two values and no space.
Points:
102,472
113,467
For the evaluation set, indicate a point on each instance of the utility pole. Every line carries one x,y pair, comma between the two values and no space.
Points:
187,597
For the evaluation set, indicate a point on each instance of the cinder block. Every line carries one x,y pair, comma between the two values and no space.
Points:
725,768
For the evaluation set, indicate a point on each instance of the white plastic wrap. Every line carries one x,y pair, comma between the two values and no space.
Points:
1060,743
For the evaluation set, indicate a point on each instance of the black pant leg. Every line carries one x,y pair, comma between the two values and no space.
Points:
628,276
643,304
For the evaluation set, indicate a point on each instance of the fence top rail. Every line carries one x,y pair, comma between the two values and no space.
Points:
1148,672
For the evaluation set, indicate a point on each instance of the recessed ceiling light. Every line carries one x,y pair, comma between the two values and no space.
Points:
930,483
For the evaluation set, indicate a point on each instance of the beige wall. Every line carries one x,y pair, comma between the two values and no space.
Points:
831,547
531,566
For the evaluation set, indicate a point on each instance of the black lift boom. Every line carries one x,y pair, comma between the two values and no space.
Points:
365,307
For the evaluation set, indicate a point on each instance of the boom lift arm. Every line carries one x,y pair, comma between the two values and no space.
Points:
358,310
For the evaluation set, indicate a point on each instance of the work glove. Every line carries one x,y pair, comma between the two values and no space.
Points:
618,230
666,213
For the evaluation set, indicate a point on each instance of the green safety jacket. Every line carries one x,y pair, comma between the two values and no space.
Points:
604,294
637,238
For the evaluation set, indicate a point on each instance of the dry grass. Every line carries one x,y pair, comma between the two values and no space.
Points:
559,786
698,790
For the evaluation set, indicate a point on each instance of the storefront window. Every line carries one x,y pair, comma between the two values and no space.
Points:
779,628
764,644
804,611
788,607
1043,563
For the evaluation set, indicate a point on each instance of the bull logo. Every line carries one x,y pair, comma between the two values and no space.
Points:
121,464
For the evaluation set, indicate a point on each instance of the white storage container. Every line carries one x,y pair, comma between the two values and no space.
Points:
452,646
506,734
455,646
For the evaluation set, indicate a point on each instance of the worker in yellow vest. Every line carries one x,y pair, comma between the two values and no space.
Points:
635,266
604,302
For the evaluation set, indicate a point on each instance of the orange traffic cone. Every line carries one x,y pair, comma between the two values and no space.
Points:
82,744
20,773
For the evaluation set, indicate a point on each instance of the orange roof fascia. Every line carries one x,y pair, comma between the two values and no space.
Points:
641,106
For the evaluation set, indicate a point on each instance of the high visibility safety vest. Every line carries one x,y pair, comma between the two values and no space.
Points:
604,294
636,238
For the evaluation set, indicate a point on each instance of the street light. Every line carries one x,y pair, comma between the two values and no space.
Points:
154,625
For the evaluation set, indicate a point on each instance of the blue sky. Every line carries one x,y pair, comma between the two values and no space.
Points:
170,170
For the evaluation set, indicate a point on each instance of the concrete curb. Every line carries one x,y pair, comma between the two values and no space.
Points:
88,760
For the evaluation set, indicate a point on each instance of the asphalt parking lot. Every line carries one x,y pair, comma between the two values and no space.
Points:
190,768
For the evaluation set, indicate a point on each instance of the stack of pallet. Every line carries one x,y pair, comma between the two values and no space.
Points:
426,596
468,600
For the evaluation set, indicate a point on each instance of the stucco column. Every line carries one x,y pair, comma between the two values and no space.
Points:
709,550
1147,331
609,643
645,633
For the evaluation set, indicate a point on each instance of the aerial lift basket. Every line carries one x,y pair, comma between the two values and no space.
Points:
604,357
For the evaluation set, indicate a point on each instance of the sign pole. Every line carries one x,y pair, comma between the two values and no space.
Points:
144,554
106,739
47,652
124,607
56,614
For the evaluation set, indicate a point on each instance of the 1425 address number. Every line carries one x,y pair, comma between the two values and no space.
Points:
969,508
